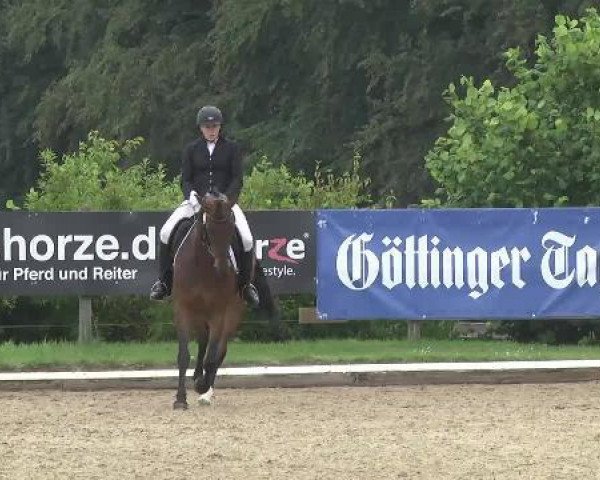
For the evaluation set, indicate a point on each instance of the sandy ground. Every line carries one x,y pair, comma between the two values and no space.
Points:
429,432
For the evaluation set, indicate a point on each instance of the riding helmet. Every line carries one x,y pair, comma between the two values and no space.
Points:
209,114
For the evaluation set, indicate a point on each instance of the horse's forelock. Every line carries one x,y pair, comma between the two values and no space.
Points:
221,209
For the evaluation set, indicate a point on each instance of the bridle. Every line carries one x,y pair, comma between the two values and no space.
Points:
205,232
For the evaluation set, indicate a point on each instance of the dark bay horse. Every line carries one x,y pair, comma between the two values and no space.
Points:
207,305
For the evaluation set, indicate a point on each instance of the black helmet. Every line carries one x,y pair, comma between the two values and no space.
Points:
209,114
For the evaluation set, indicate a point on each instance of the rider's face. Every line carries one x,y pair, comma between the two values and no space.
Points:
210,131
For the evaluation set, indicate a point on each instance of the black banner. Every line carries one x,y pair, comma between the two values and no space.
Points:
115,253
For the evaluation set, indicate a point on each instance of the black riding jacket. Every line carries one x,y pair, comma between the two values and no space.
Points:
203,172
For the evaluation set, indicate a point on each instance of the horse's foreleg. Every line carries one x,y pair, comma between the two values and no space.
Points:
183,361
215,353
198,372
206,387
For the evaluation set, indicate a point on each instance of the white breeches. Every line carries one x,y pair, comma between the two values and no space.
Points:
185,210
242,225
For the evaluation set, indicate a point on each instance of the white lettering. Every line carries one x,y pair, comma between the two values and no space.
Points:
418,261
85,247
477,272
391,264
516,255
409,255
9,240
586,262
107,243
81,274
452,268
260,248
149,240
363,268
34,250
499,260
86,241
296,249
555,262
115,273
422,261
30,275
62,244
279,272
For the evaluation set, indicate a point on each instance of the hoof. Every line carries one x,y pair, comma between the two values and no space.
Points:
206,398
180,405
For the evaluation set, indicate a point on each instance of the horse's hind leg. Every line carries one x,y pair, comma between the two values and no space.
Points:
183,361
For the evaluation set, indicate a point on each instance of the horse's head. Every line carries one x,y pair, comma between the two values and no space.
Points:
220,227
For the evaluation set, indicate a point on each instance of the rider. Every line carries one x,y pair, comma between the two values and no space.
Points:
211,161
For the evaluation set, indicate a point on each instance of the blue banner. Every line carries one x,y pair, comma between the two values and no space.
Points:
458,264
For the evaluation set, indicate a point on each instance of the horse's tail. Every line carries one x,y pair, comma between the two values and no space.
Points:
268,305
267,302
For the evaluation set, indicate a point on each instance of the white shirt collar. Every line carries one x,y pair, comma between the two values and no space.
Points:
211,146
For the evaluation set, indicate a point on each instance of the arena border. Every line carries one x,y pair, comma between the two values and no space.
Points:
508,372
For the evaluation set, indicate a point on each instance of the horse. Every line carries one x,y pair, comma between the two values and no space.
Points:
207,305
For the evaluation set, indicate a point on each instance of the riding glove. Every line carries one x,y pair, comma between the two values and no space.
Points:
194,200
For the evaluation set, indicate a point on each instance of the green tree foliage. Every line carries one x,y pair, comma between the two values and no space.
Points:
300,81
132,68
536,143
271,187
311,80
93,179
23,81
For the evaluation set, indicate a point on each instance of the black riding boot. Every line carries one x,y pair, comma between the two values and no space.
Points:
162,287
249,292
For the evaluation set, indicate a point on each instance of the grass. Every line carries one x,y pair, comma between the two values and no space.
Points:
56,356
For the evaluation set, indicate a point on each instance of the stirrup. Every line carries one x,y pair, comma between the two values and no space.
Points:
159,290
250,295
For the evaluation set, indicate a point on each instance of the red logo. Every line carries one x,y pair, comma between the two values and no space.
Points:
282,249
276,245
